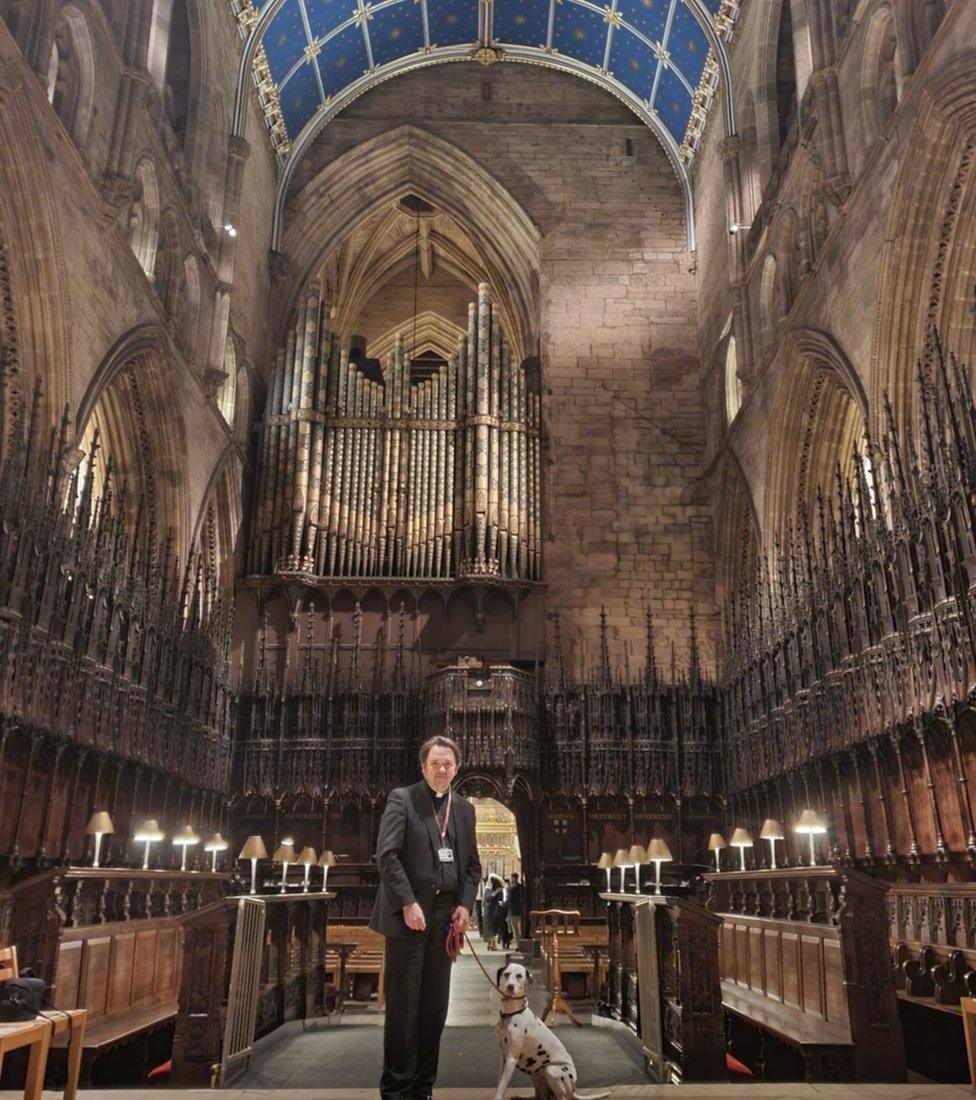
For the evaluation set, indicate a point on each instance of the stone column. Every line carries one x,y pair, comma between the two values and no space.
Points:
830,121
730,149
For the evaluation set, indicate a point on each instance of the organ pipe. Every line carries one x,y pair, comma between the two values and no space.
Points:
432,478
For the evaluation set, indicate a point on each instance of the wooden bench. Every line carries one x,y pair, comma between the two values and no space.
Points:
126,976
367,960
70,1023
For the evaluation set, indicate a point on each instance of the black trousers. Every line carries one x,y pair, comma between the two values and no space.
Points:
418,987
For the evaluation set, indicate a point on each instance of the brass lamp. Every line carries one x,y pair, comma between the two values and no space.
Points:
215,845
637,856
185,838
741,840
622,860
772,831
604,863
326,861
100,825
254,850
148,833
285,854
813,825
658,852
307,859
716,843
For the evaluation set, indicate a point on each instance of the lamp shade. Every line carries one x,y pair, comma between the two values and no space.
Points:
100,823
716,842
622,858
327,859
810,822
658,851
638,854
186,837
308,858
149,831
605,861
772,830
217,844
253,849
741,839
285,852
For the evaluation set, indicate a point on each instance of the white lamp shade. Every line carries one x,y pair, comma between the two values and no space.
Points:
186,837
810,822
716,842
216,844
772,830
659,852
149,831
100,823
741,839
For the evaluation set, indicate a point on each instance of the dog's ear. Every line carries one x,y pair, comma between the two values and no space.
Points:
498,976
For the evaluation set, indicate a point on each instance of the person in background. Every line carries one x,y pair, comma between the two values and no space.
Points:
516,894
493,911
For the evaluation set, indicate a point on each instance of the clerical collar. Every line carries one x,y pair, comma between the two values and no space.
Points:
434,795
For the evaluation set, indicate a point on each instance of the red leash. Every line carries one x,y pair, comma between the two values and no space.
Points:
453,945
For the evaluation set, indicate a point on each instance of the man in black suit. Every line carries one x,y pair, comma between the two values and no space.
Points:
515,905
427,856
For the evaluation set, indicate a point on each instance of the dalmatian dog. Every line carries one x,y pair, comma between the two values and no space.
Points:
527,1044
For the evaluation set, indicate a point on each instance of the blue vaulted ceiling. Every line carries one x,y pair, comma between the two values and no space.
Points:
654,53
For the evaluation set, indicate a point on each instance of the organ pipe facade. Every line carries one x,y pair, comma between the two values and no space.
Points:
431,479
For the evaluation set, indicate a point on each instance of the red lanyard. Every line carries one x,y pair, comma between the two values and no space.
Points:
447,817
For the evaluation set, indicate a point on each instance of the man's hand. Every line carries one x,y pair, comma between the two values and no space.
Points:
414,917
461,916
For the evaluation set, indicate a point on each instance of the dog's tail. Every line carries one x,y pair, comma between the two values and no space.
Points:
591,1095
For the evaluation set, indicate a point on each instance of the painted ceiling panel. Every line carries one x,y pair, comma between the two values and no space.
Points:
452,23
655,50
521,21
580,33
325,15
396,31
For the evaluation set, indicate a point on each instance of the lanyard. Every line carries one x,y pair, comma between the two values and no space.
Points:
447,816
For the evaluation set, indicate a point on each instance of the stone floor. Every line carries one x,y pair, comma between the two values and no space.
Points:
624,1092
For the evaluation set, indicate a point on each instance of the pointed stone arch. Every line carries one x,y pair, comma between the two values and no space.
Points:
379,171
738,535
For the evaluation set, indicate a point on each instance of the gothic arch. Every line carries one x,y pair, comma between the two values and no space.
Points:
819,411
929,264
71,76
217,527
188,309
380,171
878,93
32,240
770,305
144,218
769,72
168,272
737,532
132,402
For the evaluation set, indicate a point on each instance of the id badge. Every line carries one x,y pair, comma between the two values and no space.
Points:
445,855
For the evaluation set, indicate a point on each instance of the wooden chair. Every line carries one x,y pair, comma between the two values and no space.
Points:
61,1020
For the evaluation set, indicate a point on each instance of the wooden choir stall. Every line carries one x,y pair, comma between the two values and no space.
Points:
806,973
664,983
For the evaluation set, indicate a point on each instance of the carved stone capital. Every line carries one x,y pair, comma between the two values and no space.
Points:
213,379
730,147
117,193
838,189
238,147
279,266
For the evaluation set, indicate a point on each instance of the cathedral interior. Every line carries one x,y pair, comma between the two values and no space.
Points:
592,384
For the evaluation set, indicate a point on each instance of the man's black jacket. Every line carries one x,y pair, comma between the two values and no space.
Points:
406,855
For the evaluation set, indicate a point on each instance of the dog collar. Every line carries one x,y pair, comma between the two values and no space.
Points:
505,1015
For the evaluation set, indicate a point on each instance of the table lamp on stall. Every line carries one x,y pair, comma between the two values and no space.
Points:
148,833
772,831
716,844
658,852
741,840
813,825
622,860
307,859
327,860
636,856
285,854
604,863
100,825
215,845
185,838
254,850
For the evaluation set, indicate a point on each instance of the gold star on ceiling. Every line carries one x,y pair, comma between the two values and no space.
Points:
340,63
634,64
579,34
312,51
520,20
297,103
450,19
282,39
395,34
